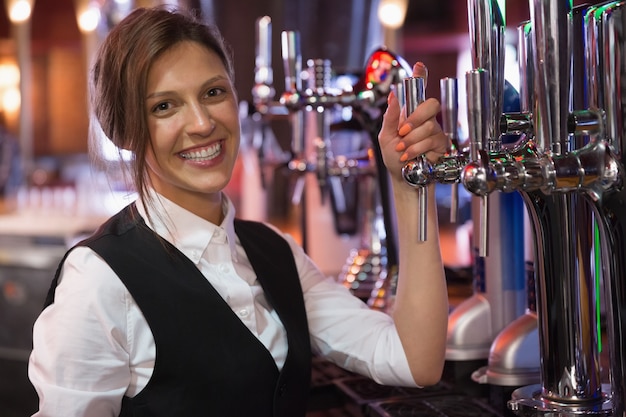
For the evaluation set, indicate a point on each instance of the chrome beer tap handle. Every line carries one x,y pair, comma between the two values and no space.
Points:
417,172
478,176
292,63
263,90
318,83
449,117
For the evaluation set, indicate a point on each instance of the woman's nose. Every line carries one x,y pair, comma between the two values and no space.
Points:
200,121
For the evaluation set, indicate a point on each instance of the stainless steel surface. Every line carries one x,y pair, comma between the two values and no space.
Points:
469,330
514,355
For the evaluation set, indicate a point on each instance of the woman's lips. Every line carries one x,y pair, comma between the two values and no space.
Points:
206,153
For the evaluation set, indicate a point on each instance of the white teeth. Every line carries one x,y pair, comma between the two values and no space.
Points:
203,154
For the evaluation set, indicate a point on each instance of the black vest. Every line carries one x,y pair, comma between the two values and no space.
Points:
207,361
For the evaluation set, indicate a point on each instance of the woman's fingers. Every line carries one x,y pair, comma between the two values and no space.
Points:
421,133
424,112
420,70
391,118
403,138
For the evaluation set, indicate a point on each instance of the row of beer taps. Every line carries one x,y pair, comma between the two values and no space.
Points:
568,167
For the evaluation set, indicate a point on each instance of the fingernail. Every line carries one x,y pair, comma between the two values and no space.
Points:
405,129
400,147
404,157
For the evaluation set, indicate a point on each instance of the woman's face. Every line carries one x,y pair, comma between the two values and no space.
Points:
193,121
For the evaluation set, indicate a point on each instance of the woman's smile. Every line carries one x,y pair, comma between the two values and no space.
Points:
204,153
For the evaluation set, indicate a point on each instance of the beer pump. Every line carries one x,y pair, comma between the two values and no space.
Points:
314,97
499,294
570,173
591,174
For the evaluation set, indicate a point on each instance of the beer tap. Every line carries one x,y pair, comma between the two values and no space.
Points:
449,117
418,171
263,91
478,176
561,181
485,86
367,99
514,354
292,65
484,166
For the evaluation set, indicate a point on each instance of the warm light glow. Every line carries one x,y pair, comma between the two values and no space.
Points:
19,10
11,99
392,13
9,87
9,76
89,18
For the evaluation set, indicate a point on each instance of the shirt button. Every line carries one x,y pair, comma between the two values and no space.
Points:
223,268
219,234
243,312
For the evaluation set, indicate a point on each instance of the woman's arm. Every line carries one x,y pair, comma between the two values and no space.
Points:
421,304
80,364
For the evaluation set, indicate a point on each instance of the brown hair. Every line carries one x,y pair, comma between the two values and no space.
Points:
120,72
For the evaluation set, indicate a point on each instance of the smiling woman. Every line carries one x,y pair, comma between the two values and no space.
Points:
231,306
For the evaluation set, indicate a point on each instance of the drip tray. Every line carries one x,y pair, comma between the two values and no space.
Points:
452,405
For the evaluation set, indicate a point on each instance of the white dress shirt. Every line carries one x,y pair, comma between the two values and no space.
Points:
92,346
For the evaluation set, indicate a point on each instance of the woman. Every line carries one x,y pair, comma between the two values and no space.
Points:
176,308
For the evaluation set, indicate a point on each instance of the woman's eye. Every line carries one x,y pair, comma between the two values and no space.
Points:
161,107
214,92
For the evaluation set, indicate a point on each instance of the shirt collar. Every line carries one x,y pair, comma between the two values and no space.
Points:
188,232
